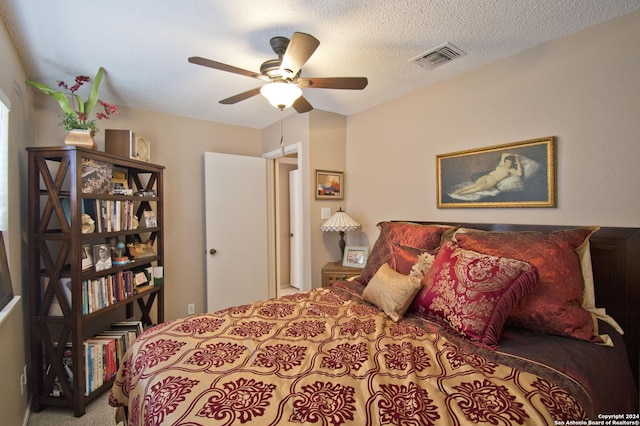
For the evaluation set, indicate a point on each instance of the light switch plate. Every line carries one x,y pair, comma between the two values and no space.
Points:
325,212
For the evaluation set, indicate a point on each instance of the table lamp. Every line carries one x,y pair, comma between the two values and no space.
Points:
341,222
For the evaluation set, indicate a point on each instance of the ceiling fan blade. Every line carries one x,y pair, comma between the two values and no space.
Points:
301,47
302,105
353,83
240,96
224,67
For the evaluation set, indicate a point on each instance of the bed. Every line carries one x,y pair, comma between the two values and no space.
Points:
398,346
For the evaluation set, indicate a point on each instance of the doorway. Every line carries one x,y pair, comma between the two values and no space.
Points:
287,224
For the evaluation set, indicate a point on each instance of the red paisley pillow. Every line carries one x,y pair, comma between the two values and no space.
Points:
403,233
473,293
555,305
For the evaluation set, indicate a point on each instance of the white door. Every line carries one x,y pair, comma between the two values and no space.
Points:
295,228
236,230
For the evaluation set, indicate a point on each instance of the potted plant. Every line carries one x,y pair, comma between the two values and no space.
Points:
76,118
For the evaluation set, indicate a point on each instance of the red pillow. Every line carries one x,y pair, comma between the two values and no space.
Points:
555,305
404,233
473,293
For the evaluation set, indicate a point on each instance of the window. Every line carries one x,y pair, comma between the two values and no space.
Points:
6,290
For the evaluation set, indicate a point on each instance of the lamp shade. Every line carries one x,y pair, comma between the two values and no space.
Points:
341,222
281,95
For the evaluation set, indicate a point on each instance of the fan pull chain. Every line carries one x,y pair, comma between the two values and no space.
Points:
281,135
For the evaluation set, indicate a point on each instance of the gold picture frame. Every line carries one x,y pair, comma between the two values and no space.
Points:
518,174
329,185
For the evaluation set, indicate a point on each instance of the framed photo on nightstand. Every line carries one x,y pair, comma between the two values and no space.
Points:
355,256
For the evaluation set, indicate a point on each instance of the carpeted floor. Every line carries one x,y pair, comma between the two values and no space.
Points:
98,413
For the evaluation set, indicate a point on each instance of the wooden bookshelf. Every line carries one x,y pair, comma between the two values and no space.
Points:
64,185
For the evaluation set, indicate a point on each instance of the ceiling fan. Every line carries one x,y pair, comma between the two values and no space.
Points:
284,84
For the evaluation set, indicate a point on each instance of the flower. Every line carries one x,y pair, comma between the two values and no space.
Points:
76,111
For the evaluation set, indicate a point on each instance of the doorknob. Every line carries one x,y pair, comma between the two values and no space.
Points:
213,251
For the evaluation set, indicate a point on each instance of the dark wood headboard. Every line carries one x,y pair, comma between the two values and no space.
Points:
615,256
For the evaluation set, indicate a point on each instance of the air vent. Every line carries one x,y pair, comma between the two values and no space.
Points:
439,56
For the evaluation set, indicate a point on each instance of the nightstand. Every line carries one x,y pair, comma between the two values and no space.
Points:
332,272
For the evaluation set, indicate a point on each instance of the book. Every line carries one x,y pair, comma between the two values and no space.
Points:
133,325
110,354
121,345
105,350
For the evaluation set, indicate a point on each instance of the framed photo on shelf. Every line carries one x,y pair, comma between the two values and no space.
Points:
149,219
519,174
87,257
102,257
329,185
141,278
355,256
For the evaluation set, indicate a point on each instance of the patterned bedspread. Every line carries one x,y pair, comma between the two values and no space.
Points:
325,357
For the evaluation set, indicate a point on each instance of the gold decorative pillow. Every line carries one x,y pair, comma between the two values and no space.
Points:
391,291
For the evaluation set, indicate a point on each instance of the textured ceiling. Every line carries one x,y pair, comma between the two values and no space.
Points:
144,45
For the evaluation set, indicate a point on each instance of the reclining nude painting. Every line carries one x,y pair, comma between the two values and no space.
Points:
513,175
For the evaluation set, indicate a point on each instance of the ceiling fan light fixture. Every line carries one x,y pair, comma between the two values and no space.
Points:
281,95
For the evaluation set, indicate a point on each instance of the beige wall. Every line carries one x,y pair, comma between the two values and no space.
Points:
328,139
179,144
322,135
584,89
13,404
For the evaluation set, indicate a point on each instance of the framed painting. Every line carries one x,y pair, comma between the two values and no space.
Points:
355,256
329,185
519,174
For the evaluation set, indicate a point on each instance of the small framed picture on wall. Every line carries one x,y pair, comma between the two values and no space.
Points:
329,185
